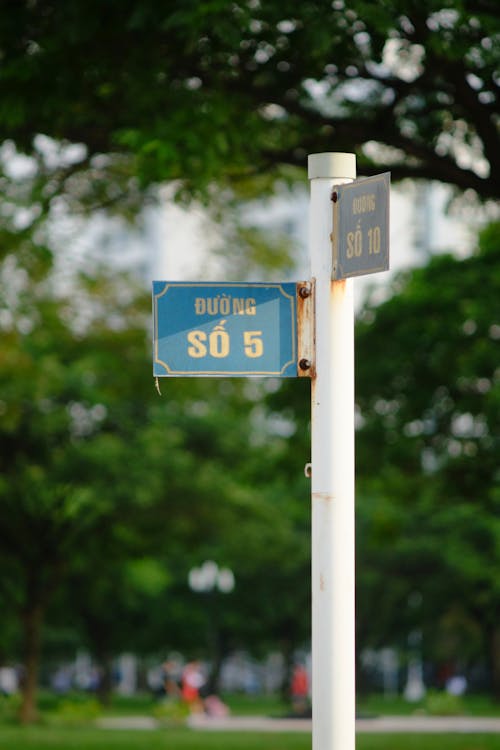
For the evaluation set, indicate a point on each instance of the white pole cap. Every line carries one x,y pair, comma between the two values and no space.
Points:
336,165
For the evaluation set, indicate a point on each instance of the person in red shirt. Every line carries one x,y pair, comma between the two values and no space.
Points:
192,681
299,689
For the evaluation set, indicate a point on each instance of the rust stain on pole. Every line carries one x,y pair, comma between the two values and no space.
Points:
325,496
305,329
338,286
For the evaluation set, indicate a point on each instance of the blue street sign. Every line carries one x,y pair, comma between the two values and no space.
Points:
219,329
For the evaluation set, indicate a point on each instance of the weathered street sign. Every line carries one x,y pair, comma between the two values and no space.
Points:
219,329
360,236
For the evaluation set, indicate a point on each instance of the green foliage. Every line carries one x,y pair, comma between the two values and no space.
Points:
204,93
9,708
75,712
171,712
428,510
441,703
111,493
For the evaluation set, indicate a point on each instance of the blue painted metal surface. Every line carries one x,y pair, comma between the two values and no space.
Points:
224,329
361,227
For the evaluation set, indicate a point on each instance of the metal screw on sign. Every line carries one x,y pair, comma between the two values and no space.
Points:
305,292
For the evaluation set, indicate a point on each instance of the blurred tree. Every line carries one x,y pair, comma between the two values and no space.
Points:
68,423
134,93
429,501
216,92
110,494
237,506
248,518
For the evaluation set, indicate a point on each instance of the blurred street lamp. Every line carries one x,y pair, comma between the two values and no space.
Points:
415,688
208,579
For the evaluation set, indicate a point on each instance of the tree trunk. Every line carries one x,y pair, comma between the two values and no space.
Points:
287,648
32,619
105,684
495,662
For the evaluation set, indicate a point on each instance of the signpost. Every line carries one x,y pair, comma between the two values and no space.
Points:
303,329
332,477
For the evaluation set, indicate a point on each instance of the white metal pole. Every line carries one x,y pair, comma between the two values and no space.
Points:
332,479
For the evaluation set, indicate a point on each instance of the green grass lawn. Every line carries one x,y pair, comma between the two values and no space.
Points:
272,705
69,724
46,738
433,704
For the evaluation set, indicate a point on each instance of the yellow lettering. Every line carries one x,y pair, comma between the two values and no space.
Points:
238,306
350,244
212,305
374,240
358,242
354,243
250,306
363,204
225,305
200,306
197,348
253,344
219,341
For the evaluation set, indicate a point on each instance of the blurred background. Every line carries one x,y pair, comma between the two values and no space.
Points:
141,532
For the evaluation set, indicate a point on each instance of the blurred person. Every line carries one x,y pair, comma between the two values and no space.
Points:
61,680
171,679
192,682
456,685
215,708
9,682
299,690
